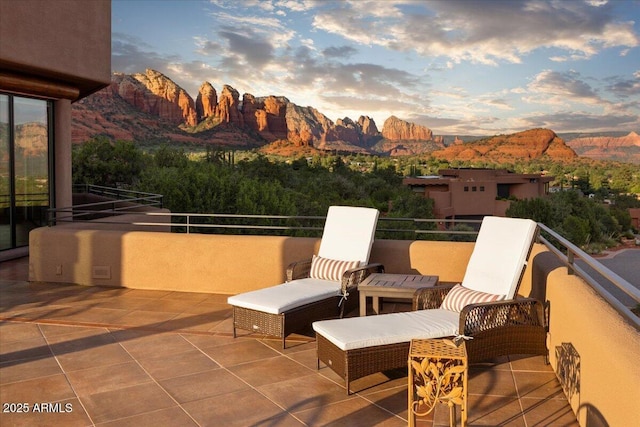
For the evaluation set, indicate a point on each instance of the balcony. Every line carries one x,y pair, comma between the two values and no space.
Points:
143,335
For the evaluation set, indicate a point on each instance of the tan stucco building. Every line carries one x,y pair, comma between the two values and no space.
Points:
52,53
477,192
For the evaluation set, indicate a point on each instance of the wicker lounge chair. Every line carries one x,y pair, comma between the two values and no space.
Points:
315,288
357,347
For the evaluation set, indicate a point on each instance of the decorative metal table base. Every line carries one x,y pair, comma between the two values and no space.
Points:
438,371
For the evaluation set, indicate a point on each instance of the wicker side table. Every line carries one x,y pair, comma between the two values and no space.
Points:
438,371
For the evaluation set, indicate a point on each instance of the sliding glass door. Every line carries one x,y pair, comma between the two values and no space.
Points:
25,160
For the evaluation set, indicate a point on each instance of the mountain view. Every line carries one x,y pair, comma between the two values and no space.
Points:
151,108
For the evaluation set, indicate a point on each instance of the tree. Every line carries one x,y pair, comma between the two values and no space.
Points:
111,164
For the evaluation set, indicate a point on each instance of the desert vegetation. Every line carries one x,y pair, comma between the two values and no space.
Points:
250,183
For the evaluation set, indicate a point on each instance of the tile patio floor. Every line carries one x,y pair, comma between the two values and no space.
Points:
120,357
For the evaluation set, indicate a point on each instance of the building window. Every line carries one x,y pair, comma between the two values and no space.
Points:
474,188
482,188
25,149
466,188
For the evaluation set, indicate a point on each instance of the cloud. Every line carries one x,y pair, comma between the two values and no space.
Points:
129,54
559,88
480,32
626,87
571,121
339,51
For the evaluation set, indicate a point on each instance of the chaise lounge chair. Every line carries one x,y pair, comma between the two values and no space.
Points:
481,309
316,288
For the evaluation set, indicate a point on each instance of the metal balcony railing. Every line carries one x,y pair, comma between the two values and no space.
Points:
390,228
120,201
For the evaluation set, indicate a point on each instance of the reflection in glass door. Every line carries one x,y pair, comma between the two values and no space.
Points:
5,176
24,168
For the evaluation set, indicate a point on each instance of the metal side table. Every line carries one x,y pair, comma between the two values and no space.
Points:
438,373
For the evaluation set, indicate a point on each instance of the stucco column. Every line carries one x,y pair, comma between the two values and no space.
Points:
62,155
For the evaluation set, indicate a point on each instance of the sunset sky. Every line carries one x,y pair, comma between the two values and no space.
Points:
458,67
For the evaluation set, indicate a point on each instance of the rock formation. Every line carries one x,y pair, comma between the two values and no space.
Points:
525,145
621,148
267,116
156,94
228,107
151,107
395,129
206,101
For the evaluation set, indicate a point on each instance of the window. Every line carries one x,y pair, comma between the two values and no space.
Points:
474,188
466,188
482,188
25,148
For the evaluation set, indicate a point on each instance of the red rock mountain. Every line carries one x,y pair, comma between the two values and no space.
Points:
622,148
530,144
150,107
395,129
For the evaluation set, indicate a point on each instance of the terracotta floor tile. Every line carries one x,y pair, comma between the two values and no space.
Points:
52,331
126,402
89,315
25,349
393,400
18,331
352,412
202,385
301,393
149,345
240,351
492,382
25,369
209,341
295,344
67,413
143,319
167,305
174,416
538,385
105,355
238,409
102,379
307,358
191,297
216,310
144,293
177,365
269,371
45,389
548,412
487,411
380,381
189,322
529,363
128,303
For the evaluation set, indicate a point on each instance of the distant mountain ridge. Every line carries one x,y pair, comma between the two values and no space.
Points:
621,148
149,107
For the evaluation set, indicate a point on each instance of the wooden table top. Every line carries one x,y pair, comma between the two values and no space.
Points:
400,281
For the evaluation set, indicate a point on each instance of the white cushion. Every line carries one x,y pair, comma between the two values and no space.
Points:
330,269
499,255
348,233
361,332
281,298
459,297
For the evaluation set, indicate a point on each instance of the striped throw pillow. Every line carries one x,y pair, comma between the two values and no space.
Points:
330,269
459,296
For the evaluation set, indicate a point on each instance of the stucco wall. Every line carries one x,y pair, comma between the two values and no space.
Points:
593,349
208,263
64,41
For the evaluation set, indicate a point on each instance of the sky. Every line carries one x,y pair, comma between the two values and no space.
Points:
458,67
